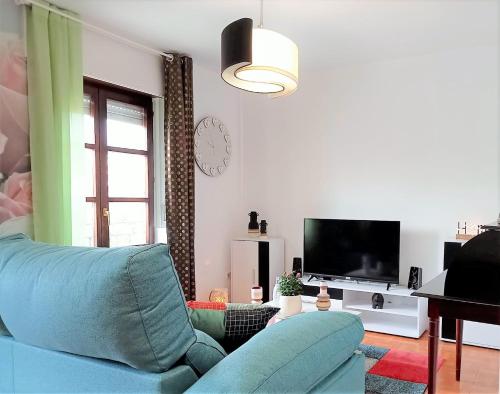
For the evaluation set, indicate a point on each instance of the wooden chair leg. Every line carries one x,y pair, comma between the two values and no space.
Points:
433,353
458,355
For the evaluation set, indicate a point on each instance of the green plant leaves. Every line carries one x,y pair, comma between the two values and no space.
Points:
290,285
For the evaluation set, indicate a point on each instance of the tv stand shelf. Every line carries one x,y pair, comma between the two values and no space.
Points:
395,310
402,314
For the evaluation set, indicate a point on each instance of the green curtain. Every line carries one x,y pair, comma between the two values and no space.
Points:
55,97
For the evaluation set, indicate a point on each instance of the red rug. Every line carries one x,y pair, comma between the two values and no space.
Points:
398,364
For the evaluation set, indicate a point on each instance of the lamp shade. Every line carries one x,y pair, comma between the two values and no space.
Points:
258,60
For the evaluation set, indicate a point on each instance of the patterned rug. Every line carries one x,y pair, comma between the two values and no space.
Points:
394,371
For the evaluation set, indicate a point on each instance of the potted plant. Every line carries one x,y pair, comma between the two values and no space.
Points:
290,288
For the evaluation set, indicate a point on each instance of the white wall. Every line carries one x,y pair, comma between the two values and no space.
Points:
413,139
219,200
112,61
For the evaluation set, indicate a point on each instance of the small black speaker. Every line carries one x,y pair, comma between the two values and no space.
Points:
415,278
297,265
377,301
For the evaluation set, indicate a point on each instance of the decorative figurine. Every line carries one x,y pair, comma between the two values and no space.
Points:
377,301
323,302
256,294
464,236
253,226
263,228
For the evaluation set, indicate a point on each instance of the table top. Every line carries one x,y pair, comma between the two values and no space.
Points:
435,289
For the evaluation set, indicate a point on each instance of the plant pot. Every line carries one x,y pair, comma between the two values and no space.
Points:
290,305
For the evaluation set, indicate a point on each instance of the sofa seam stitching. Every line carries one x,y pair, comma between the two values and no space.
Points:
211,346
192,366
340,366
298,354
179,287
129,262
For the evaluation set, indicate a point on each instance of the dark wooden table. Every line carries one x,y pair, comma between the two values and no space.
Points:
458,308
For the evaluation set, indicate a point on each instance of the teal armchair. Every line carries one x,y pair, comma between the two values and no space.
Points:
88,320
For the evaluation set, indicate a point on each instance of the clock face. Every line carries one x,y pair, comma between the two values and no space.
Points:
212,146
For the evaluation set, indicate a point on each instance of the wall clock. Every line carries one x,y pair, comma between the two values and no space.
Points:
212,146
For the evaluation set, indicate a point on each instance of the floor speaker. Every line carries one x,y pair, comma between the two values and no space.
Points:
297,265
415,278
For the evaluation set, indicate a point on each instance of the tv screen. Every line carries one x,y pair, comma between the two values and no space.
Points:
357,249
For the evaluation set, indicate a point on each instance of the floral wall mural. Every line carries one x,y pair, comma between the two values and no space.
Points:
15,172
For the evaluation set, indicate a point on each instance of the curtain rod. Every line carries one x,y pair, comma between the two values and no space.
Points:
95,28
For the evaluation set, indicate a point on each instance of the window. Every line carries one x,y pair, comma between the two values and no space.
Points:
119,166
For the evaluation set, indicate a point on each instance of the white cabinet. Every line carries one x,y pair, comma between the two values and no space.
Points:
244,269
475,334
481,334
255,262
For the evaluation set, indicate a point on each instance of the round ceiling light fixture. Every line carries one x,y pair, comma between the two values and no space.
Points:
259,60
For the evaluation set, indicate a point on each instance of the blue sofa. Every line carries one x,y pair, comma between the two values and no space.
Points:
80,320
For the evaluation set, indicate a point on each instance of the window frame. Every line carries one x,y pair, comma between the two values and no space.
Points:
99,93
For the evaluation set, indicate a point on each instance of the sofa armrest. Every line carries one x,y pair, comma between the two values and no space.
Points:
293,355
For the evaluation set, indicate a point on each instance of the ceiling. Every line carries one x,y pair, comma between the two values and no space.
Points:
328,33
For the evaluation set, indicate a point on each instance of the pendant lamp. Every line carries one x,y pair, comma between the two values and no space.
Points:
258,60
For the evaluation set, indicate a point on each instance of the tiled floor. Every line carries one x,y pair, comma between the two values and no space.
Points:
480,367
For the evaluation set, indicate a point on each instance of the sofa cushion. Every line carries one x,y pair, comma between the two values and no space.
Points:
123,304
29,369
230,324
209,321
243,321
293,355
204,353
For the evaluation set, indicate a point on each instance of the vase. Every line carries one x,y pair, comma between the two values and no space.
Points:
323,302
253,226
263,228
256,295
290,305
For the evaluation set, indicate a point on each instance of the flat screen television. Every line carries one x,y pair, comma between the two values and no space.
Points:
352,249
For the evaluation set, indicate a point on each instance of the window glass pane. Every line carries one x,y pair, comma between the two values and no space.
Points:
127,175
90,224
128,223
125,126
89,181
88,120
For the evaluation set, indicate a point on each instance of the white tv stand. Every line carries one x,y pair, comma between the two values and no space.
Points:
402,314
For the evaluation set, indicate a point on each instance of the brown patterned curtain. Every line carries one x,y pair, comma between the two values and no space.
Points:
179,168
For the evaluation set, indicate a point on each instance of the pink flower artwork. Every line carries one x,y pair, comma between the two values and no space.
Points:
15,200
13,64
15,175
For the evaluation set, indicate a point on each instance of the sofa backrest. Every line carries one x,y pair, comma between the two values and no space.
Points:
123,304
